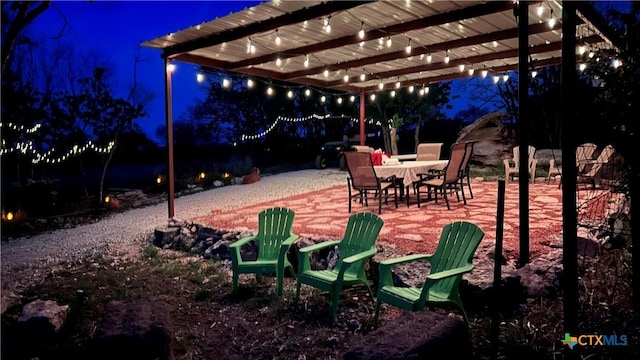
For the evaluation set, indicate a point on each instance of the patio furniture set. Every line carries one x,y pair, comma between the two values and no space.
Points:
428,174
450,261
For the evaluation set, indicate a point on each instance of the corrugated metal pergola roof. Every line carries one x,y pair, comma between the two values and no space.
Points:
482,35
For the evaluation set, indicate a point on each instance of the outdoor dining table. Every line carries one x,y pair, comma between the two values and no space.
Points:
409,171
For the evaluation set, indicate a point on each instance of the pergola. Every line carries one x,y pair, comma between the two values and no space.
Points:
363,47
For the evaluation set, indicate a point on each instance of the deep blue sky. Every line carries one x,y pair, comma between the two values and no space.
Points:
116,29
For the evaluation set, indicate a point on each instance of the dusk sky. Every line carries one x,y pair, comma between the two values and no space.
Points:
116,29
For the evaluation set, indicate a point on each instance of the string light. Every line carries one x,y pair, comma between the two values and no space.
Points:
429,58
323,99
339,100
484,73
361,32
534,73
307,92
352,98
408,48
389,42
269,90
381,85
496,79
306,61
372,97
471,71
461,67
446,57
582,66
410,89
289,94
292,120
200,77
346,76
17,127
251,49
278,61
326,72
250,83
552,19
363,76
25,148
393,93
505,77
225,82
327,24
540,10
398,84
171,67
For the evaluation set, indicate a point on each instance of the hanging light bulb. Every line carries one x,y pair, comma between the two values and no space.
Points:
446,57
534,73
363,76
398,84
372,97
421,57
426,90
352,98
484,73
307,92
278,61
393,93
471,71
278,40
269,90
362,43
381,85
250,83
171,67
389,42
505,77
429,58
339,100
408,48
421,91
306,61
225,82
323,98
496,79
582,49
410,89
200,77
361,32
582,66
251,49
327,25
326,72
289,94
540,10
552,19
346,76
461,67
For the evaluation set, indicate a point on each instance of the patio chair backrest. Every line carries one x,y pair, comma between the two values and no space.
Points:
428,151
603,158
360,167
454,166
516,155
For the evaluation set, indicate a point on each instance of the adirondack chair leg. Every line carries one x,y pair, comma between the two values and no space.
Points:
469,185
376,316
333,308
298,291
446,199
235,282
279,281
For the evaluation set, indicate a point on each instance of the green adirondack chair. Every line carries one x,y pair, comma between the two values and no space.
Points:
356,247
452,258
274,239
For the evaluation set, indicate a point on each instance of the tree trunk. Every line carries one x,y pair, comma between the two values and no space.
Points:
394,141
416,134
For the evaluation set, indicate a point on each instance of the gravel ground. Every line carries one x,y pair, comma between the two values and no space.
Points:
24,256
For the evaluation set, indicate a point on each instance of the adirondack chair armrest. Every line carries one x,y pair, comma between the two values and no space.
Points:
386,267
318,246
357,257
507,162
303,254
449,273
286,244
234,248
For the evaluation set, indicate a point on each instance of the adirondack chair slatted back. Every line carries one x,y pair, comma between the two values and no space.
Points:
274,226
458,242
516,155
363,175
361,234
603,158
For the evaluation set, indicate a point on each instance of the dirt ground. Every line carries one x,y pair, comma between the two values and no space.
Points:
207,321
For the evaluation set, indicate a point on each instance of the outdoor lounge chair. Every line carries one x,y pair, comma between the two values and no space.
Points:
274,239
357,246
464,169
584,155
592,169
363,180
512,166
452,259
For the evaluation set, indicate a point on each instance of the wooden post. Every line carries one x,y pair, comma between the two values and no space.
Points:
169,123
497,272
523,128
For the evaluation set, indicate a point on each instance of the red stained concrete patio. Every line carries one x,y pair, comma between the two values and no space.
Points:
324,213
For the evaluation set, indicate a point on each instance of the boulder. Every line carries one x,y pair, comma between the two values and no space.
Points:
44,316
493,139
138,329
419,335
